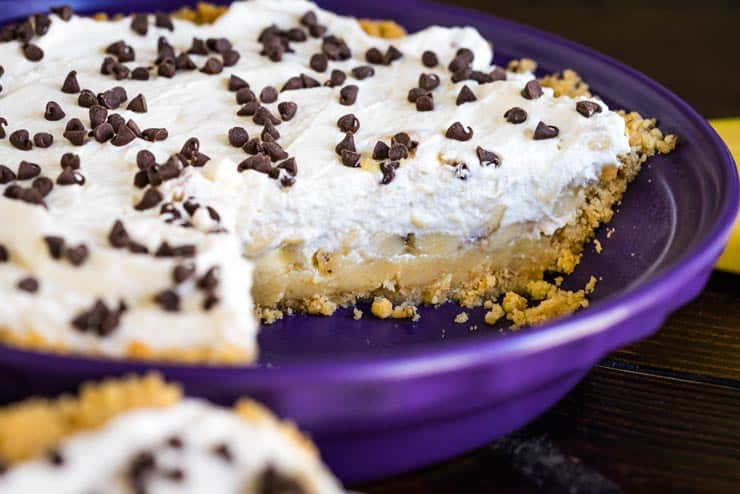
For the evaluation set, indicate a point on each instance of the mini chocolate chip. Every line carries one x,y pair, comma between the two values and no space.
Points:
21,140
74,124
33,52
210,279
190,205
124,136
41,24
182,272
405,139
348,95
3,258
164,21
398,152
487,158
6,175
263,115
224,452
391,55
350,158
459,64
77,255
76,137
498,74
104,132
155,134
43,185
55,246
145,159
336,78
237,83
87,99
28,284
258,162
238,136
98,115
151,198
462,171
211,300
481,77
141,179
253,146
112,98
138,104
388,168
348,142
287,110
425,103
140,74
465,95
309,82
457,132
43,139
169,300
532,90
106,67
28,170
515,115
212,66
119,71
380,151
429,59
588,108
348,123
198,47
70,160
99,319
268,94
3,123
319,62
362,72
289,166
118,236
70,85
219,45
245,95
230,58
269,132
374,56
170,169
167,69
274,151
416,93
69,176
140,24
63,11
428,81
544,131
131,124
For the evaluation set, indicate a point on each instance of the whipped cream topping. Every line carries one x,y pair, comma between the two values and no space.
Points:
330,206
190,448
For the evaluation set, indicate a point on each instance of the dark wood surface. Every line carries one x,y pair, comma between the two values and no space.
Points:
662,415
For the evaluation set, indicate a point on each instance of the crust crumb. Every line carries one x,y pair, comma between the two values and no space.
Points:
382,29
597,246
356,314
521,66
566,83
268,315
494,314
461,318
382,308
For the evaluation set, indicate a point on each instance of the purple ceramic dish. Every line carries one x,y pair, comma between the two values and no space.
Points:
382,397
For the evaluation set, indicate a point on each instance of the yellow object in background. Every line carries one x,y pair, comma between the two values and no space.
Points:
729,130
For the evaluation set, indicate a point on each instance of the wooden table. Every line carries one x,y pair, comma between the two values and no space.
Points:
662,415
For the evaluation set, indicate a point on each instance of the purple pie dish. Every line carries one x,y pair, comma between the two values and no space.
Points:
383,397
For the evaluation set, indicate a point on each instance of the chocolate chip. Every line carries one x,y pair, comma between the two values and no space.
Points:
98,115
141,179
348,123
398,152
429,59
99,319
191,205
269,132
164,21
425,103
350,158
198,47
70,85
380,151
69,176
55,246
515,115
124,136
138,104
268,94
416,93
289,166
21,140
374,56
481,77
104,132
245,95
3,123
348,95
253,146
457,132
41,24
151,198
63,11
544,131
33,52
74,124
336,78
70,160
348,142
487,158
287,110
182,272
140,74
532,90
210,279
113,98
87,99
140,24
224,452
465,95
388,168
154,134
118,236
218,45
167,69
184,62
28,284
405,139
391,55
237,83
238,136
319,62
43,185
230,58
170,169
274,151
145,159
362,72
263,115
462,171
588,108
122,51
309,82
212,66
462,75
258,162
6,175
335,48
43,139
169,300
498,74
77,255
3,258
28,170
428,81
